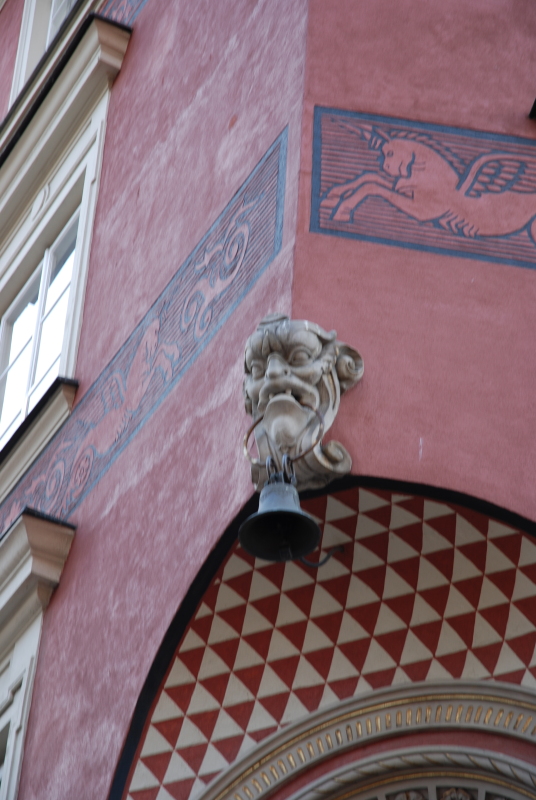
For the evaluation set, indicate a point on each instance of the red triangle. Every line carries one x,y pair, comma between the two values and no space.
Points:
412,535
464,625
530,571
295,633
497,616
417,671
206,721
408,569
145,794
241,584
477,520
338,588
229,747
316,506
234,616
443,560
527,606
241,712
366,615
381,515
181,695
429,633
374,577
330,624
310,696
382,678
504,581
393,643
454,663
275,704
211,595
321,661
274,573
216,685
512,677
193,755
207,777
227,650
510,546
158,764
356,652
258,736
415,505
445,525
476,553
180,790
346,525
170,729
268,607
344,688
470,588
350,498
488,655
303,597
251,677
523,646
377,544
260,642
285,668
437,598
202,626
402,606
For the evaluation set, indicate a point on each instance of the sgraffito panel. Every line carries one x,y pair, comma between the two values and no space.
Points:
205,290
429,187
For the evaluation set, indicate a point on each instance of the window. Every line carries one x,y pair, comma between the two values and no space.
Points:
33,332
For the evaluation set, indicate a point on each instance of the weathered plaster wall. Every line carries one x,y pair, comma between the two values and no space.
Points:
447,397
10,20
204,91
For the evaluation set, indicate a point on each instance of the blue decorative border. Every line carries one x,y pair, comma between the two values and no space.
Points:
124,11
201,296
486,168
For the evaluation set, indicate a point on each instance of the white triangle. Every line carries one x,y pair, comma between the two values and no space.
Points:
429,576
368,527
294,577
329,698
166,709
197,789
203,611
190,734
254,622
221,631
365,559
154,744
449,641
271,683
235,567
463,568
414,650
248,744
294,710
178,770
246,656
211,665
490,595
437,672
180,675
202,700
191,641
359,594
261,587
395,586
213,761
432,541
369,501
236,692
350,630
260,718
388,621
399,550
163,794
517,625
496,561
465,532
333,536
400,498
523,587
341,668
315,639
363,687
457,604
422,612
337,510
323,603
377,659
225,727
227,598
473,668
433,510
400,518
497,529
333,569
288,612
306,675
528,681
483,633
143,778
400,677
508,661
527,554
281,647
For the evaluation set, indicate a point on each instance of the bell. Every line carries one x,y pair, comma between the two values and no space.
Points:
280,530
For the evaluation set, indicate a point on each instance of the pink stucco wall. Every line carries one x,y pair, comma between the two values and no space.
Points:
448,393
10,20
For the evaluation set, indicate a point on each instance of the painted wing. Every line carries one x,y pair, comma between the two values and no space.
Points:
500,172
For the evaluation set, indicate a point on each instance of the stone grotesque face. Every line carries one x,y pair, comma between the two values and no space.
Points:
293,369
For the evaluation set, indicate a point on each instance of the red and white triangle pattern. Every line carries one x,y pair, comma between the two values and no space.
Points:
423,591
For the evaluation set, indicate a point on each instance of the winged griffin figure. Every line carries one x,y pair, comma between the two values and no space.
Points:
495,195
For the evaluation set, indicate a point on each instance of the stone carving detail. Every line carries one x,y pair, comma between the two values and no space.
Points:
294,369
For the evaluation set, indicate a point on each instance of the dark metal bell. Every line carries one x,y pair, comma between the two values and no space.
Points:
280,530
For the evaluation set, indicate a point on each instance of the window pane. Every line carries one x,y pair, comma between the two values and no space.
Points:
59,10
61,279
51,341
22,324
39,390
14,385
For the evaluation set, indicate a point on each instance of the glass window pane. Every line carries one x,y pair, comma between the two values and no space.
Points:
60,279
59,10
21,326
51,341
47,379
14,386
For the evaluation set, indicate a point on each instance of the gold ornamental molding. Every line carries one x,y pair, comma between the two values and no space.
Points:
466,706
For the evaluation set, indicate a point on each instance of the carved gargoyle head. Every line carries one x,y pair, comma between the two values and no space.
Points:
294,368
